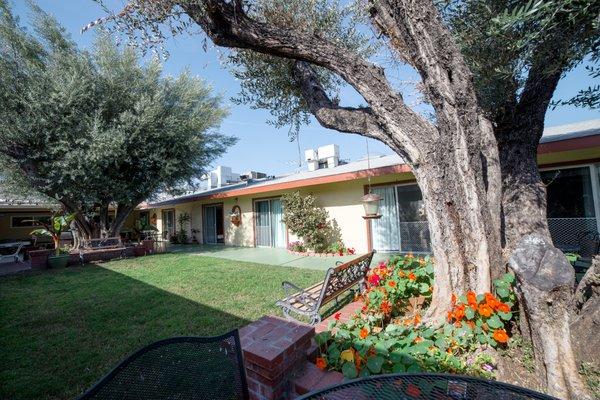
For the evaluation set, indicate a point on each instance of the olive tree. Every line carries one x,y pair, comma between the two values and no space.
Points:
94,130
488,71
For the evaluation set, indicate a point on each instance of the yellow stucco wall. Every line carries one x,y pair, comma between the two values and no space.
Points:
342,200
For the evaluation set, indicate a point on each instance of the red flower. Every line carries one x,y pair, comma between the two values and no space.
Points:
337,316
351,250
321,363
374,279
412,276
341,252
392,284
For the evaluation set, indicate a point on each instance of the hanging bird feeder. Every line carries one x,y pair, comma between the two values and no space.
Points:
371,204
370,200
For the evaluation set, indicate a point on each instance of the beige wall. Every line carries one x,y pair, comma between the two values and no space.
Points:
342,200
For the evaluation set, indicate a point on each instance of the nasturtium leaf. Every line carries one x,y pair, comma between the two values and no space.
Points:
424,288
494,322
505,316
414,367
398,367
502,293
469,313
349,370
374,364
322,338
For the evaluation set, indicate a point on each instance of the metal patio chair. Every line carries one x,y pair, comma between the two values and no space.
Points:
424,386
180,368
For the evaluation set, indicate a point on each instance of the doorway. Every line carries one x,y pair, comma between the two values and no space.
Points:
168,224
212,224
270,231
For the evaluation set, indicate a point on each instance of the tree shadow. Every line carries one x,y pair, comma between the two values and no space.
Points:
64,329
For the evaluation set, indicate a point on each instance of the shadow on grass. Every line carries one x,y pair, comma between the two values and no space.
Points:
60,331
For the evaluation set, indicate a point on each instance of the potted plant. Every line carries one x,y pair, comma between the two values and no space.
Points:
54,228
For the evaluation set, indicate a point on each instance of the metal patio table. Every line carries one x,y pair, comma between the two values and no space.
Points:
423,386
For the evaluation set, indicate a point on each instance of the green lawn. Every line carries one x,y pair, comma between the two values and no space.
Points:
62,330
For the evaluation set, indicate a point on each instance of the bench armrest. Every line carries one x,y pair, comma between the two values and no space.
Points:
288,286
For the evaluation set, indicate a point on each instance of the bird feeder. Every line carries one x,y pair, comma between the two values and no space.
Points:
371,204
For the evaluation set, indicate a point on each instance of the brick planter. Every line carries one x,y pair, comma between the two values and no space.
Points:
39,259
148,245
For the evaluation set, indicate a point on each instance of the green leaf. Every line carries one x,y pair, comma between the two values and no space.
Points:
469,313
349,370
494,322
505,316
322,338
398,367
414,367
374,364
502,293
423,288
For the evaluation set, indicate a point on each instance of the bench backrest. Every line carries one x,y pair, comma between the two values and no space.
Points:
102,243
343,277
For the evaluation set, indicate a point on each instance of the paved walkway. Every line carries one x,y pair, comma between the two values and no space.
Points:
14,267
265,255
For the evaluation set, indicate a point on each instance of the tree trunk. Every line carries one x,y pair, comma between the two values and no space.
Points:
545,293
121,215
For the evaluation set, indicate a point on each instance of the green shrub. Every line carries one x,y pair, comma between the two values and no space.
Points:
309,222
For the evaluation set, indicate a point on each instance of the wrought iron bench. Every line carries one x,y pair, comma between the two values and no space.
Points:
182,368
101,249
307,302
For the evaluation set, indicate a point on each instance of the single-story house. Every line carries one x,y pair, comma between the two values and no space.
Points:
568,157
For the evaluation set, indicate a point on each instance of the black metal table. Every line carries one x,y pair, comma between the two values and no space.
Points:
424,386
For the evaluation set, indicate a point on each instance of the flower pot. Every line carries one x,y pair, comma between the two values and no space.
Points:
139,250
58,261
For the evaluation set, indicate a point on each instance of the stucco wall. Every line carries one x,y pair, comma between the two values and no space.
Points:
342,200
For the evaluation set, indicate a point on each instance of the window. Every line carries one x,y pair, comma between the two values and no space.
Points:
27,221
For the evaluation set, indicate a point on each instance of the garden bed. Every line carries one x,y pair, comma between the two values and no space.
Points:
387,335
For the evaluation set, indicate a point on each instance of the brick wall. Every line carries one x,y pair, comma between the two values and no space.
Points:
277,356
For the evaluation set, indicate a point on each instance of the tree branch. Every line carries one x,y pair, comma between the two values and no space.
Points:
228,25
343,119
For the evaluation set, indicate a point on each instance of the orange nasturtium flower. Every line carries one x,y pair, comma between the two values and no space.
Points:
419,339
472,300
417,319
500,336
491,300
503,307
392,284
364,332
459,312
412,276
386,307
453,299
485,310
321,363
471,324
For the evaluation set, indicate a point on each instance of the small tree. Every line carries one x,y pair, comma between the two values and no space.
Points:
97,130
182,220
309,222
58,223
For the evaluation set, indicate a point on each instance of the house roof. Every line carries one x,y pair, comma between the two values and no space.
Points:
379,165
571,131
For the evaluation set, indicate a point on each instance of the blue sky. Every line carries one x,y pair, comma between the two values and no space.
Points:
262,147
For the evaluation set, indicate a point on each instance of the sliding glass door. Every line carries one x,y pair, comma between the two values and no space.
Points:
403,223
212,224
168,224
270,231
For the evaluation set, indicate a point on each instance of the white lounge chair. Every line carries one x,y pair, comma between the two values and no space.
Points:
12,257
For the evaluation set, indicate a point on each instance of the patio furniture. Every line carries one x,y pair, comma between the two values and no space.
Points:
307,302
10,251
101,249
182,368
424,386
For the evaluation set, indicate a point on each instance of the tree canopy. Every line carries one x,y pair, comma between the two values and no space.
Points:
97,128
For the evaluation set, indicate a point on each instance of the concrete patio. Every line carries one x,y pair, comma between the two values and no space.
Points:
267,255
